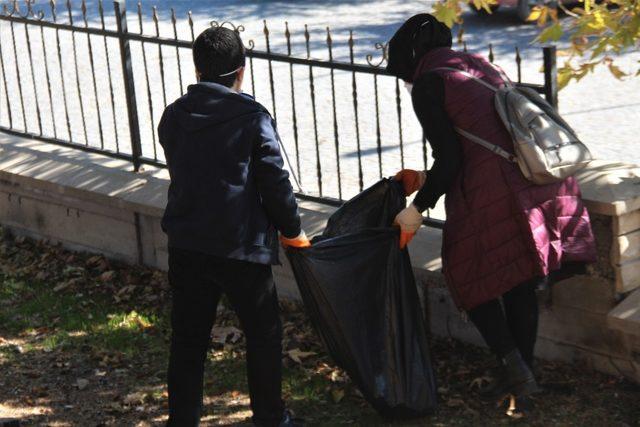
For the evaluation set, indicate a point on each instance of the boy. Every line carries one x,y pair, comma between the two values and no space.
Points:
228,197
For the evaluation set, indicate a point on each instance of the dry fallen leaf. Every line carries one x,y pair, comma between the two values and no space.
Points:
454,403
337,394
107,276
296,355
479,382
222,334
61,286
82,383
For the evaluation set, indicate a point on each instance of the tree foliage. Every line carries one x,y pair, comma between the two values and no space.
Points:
597,32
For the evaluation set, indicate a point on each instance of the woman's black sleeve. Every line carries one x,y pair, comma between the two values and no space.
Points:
428,103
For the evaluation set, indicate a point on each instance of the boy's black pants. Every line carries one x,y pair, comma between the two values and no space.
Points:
197,282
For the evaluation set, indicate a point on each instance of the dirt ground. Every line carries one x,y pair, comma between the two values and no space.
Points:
84,340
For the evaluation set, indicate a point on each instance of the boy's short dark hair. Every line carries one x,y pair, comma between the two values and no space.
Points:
217,52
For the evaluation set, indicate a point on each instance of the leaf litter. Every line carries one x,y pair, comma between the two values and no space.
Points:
93,383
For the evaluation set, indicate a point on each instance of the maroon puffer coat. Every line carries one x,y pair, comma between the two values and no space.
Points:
501,230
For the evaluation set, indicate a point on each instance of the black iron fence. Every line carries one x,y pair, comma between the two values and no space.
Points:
102,88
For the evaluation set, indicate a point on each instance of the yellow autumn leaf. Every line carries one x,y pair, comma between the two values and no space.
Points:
564,77
597,23
616,71
551,33
446,13
535,14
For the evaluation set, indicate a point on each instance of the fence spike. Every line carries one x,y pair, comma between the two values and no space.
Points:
519,64
287,35
140,16
190,18
351,45
307,36
491,57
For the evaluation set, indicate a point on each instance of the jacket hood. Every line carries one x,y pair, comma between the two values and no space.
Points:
208,104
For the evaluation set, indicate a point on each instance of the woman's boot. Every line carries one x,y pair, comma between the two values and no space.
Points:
513,376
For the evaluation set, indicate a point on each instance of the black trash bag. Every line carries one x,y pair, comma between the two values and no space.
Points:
359,290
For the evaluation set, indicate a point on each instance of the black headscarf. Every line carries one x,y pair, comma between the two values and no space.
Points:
414,38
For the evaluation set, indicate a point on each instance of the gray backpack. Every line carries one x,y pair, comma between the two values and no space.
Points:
546,148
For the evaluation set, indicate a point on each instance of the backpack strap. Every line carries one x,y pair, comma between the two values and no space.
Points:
489,146
486,144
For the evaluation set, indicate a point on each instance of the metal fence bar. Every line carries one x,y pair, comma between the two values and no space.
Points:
294,115
6,88
312,90
18,76
175,36
146,77
124,37
399,111
519,64
62,81
75,62
336,138
550,75
111,94
271,86
48,79
354,94
160,60
129,84
93,74
33,74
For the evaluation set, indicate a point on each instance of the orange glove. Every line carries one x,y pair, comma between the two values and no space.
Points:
297,242
409,220
412,181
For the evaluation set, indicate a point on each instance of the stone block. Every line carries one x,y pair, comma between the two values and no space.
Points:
585,293
71,226
582,329
626,223
627,276
154,242
610,188
625,317
625,248
445,320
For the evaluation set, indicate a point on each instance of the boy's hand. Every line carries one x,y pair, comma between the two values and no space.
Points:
412,181
300,241
409,220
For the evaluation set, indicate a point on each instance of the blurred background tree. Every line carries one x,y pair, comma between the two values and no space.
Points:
596,31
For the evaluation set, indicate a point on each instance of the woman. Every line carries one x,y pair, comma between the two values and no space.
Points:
503,235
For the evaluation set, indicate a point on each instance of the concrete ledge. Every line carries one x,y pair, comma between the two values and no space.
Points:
626,316
610,188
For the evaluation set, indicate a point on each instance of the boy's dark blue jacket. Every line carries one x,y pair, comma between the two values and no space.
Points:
228,193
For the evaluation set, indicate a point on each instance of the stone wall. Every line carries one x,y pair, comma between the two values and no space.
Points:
93,203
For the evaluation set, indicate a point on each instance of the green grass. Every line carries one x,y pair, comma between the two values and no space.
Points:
72,322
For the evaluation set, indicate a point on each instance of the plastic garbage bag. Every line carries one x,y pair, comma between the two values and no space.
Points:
359,290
